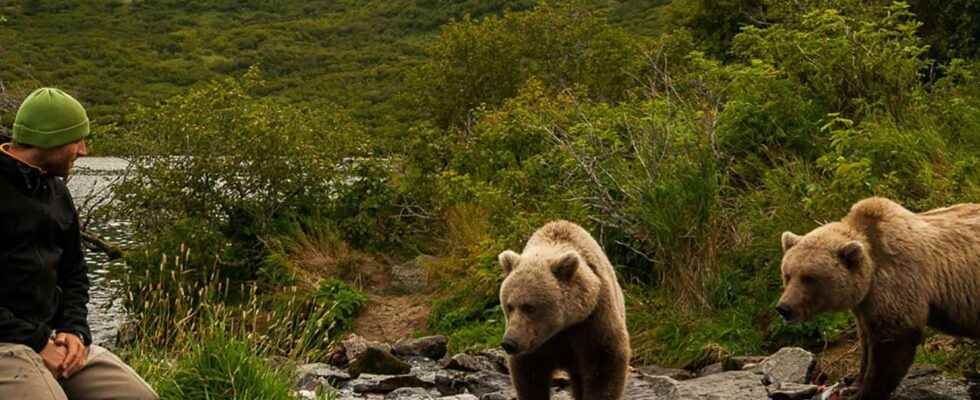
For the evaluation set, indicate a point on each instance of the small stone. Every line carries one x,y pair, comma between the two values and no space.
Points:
369,383
470,363
354,345
408,393
377,361
789,365
311,376
433,347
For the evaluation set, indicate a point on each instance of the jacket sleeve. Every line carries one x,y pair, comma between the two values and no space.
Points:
72,315
16,330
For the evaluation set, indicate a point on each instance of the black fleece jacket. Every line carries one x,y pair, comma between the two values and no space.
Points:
43,278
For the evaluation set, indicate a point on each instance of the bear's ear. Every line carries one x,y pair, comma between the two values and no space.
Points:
790,239
565,266
852,254
508,260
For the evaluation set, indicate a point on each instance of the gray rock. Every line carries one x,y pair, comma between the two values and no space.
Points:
674,373
498,357
496,396
433,347
313,376
449,383
742,362
729,385
464,396
354,345
377,361
409,393
712,369
483,382
927,383
369,383
792,391
470,363
789,365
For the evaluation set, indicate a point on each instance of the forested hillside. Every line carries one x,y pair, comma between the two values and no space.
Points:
687,135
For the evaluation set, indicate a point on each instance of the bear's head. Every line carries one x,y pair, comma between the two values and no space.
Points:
542,294
828,269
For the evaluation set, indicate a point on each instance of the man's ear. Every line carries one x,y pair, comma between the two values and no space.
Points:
508,260
564,267
790,239
852,254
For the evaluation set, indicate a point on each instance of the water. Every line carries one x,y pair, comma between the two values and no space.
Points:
88,186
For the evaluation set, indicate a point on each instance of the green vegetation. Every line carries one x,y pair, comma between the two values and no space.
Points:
687,135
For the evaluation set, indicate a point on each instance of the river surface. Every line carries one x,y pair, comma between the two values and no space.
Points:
91,179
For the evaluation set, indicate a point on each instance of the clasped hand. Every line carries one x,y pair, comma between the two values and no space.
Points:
64,355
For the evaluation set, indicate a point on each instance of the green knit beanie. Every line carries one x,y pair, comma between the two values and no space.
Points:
50,118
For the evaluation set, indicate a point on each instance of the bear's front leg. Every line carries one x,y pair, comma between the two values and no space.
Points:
603,380
531,376
889,361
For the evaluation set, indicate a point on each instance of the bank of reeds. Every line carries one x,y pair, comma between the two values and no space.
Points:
198,336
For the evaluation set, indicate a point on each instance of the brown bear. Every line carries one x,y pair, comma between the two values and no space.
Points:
897,271
564,311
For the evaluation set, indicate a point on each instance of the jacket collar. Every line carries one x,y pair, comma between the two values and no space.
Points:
18,171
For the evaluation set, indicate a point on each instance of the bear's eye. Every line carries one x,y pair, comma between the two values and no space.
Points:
807,280
527,309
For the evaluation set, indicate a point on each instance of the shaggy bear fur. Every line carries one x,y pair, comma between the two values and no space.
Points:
897,271
564,310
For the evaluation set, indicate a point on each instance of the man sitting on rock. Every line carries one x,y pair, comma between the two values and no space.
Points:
46,349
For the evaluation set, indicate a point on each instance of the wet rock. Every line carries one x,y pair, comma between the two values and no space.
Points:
409,393
370,383
789,365
470,363
310,377
433,347
674,373
377,361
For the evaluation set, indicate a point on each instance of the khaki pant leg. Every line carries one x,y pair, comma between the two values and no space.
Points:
24,376
106,377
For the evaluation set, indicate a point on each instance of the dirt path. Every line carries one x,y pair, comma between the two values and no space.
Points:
387,318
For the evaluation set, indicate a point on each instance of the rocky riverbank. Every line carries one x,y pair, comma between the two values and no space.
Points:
417,369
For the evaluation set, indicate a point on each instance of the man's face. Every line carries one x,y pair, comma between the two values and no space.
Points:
59,161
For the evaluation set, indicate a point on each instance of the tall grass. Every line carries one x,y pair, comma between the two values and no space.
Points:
175,305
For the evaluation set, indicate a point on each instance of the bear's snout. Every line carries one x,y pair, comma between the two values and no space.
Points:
510,346
786,312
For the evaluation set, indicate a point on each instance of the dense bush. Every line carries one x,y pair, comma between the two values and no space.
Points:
690,179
